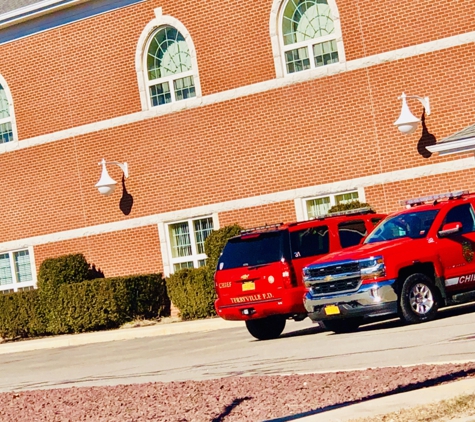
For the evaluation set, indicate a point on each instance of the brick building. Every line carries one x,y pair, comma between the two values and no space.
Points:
247,112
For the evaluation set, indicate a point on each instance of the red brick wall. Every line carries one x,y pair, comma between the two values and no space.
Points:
85,72
134,251
236,149
326,130
282,212
386,198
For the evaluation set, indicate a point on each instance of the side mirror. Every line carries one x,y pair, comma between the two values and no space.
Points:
450,228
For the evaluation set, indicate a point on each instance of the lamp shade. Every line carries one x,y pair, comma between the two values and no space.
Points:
106,184
407,122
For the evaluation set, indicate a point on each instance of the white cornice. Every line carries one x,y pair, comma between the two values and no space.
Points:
453,147
35,10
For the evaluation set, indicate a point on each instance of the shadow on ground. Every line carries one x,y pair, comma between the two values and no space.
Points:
401,389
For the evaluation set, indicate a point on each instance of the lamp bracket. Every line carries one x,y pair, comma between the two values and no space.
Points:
423,100
124,166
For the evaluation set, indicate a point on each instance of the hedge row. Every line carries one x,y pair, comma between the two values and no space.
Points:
192,289
64,304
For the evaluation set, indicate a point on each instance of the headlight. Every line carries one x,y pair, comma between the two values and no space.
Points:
372,268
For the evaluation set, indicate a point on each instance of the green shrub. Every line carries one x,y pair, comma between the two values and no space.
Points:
349,206
108,303
192,291
20,315
215,242
55,272
65,269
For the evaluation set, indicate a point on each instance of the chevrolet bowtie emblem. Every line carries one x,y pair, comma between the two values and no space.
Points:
245,277
328,278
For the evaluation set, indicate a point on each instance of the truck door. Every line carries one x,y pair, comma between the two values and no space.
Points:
457,250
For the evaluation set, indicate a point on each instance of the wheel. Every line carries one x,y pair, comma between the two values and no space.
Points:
418,299
340,326
266,328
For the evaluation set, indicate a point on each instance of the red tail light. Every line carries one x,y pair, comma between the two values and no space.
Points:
288,275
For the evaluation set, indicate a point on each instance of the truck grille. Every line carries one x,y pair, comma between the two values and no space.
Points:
336,286
351,267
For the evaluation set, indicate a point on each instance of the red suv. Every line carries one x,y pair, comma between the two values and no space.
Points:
259,274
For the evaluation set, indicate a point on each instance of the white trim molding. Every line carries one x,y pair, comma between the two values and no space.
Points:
141,59
11,110
233,94
272,198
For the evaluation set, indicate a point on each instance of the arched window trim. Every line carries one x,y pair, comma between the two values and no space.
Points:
141,53
277,42
11,119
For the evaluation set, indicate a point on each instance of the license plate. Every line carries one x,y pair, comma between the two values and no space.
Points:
248,285
332,310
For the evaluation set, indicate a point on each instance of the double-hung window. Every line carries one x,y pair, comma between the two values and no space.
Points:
319,206
6,128
187,242
16,272
309,35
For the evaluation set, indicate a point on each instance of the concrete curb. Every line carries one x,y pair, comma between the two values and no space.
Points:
160,329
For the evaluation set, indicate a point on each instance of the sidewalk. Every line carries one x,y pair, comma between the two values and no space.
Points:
394,403
160,329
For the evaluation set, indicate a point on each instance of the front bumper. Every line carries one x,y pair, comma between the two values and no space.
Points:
370,300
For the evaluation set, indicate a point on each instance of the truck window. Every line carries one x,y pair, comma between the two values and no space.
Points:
461,214
253,249
310,242
351,232
411,224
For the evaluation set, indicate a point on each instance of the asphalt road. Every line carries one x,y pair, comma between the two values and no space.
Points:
302,348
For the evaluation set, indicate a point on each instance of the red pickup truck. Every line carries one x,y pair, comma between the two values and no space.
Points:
259,274
416,261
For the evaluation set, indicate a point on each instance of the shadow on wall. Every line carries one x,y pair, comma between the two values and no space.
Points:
127,199
427,139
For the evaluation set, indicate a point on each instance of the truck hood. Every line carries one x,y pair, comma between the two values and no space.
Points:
368,250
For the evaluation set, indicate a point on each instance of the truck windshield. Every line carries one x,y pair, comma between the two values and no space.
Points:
412,224
253,249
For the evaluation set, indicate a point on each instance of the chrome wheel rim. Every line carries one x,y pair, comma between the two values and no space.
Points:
421,299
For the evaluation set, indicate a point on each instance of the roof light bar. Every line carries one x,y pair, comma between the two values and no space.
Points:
361,210
432,198
267,227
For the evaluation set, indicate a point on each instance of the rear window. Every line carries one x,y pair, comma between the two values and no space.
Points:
253,249
310,242
351,232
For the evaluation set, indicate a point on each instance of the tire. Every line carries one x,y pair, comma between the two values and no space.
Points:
266,328
418,299
340,326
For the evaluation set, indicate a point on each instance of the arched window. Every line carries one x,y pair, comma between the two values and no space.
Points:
309,35
169,67
6,118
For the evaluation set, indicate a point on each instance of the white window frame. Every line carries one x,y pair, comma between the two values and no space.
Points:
302,210
11,110
16,286
195,257
277,41
159,21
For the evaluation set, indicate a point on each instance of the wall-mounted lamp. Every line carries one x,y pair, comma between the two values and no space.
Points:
407,122
106,184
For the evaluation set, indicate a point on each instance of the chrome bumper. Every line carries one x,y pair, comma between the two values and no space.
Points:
370,300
